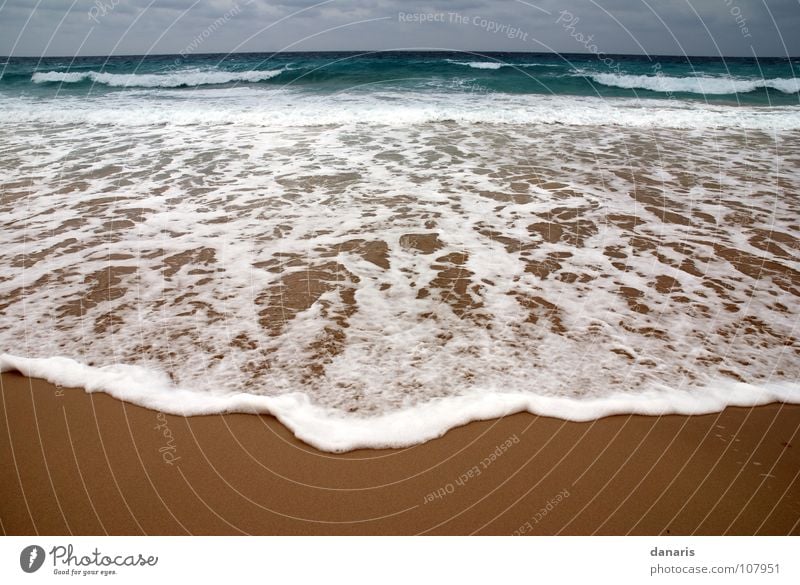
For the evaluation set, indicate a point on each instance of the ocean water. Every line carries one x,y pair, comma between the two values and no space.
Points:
769,81
376,248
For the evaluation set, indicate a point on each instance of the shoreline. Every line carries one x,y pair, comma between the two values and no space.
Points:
78,463
329,431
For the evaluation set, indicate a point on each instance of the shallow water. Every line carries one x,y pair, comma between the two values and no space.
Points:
410,257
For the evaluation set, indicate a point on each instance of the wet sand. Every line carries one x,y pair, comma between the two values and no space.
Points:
375,266
74,463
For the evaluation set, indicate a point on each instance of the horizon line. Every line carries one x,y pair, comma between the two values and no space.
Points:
373,51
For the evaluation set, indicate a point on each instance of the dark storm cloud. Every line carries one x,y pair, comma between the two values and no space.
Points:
704,27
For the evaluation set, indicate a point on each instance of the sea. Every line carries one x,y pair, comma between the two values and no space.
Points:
378,247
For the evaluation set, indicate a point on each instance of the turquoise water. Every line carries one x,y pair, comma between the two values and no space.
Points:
722,80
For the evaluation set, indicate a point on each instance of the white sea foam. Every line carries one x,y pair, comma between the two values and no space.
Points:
484,65
328,430
185,78
497,64
479,64
374,282
59,77
493,65
705,85
284,108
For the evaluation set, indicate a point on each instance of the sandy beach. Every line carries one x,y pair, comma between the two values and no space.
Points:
363,253
77,463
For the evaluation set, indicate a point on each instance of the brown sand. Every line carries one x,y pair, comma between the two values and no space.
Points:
89,464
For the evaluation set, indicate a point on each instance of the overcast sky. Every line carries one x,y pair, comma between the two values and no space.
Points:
136,27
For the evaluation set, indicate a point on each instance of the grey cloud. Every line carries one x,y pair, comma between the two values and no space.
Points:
706,27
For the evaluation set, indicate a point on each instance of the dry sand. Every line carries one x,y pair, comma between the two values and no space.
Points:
74,463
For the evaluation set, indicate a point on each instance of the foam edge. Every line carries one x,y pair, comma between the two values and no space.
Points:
328,430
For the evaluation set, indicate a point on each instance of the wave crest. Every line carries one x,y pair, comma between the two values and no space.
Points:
701,85
151,80
277,108
478,64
